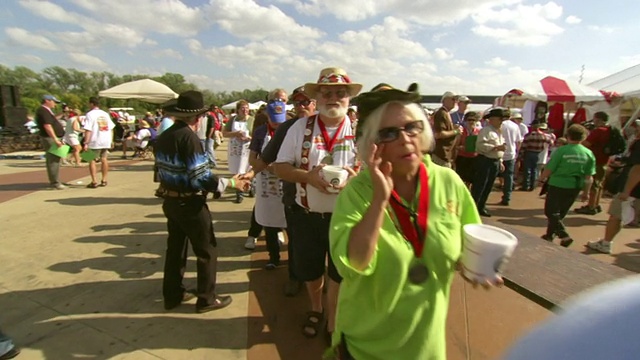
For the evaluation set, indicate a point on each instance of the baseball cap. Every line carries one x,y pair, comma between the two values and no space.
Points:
51,97
463,98
449,94
277,111
299,94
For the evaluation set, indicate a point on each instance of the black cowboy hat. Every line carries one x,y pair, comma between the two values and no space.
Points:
368,102
188,103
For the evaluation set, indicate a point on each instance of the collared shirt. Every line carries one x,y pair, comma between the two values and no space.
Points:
182,163
488,138
457,118
512,137
535,141
442,122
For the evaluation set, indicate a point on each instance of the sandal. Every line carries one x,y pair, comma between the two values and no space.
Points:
312,326
103,183
93,185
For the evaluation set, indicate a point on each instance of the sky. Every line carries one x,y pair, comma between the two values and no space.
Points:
473,47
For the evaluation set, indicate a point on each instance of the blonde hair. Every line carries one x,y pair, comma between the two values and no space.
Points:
371,126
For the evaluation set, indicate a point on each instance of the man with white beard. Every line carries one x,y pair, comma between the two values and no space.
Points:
322,139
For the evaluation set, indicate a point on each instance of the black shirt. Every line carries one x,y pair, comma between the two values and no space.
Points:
633,159
45,116
270,154
182,163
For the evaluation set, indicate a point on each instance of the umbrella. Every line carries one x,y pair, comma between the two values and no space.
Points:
144,90
552,89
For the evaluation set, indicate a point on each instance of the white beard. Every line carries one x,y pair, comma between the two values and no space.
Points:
333,112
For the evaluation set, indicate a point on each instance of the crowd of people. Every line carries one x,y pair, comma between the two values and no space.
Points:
387,231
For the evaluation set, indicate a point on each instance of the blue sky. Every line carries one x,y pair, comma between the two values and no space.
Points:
467,46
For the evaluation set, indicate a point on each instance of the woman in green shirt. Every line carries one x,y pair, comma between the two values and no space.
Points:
396,236
569,170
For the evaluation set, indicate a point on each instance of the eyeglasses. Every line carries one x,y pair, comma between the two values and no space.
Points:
340,94
302,102
390,134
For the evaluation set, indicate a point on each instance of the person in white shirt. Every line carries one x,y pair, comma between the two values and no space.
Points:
490,147
311,144
513,139
98,137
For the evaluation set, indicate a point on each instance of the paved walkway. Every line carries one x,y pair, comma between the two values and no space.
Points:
82,273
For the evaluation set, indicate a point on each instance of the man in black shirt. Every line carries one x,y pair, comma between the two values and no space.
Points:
51,133
303,106
184,173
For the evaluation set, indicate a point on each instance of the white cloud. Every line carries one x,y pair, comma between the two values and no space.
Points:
457,63
573,20
524,25
497,62
170,53
50,11
442,54
32,59
88,60
246,19
22,37
603,29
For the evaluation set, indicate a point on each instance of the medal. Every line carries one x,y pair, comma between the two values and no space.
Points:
327,160
418,274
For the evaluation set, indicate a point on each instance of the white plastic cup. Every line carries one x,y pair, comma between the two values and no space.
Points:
334,175
486,251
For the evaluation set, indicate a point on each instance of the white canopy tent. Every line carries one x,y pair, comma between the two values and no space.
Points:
145,90
229,106
625,83
256,105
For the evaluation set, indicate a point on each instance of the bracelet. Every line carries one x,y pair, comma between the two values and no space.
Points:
233,182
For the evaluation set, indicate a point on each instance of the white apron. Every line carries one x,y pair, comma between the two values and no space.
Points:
238,151
269,207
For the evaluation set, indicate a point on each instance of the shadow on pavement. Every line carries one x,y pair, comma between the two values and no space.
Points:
89,201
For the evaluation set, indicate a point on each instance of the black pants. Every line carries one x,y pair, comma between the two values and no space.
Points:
255,229
556,206
291,237
487,170
273,245
189,219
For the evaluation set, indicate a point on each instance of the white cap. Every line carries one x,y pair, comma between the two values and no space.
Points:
448,94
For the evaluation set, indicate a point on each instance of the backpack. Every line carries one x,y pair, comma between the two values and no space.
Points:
616,144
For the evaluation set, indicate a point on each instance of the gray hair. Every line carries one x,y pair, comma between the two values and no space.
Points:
273,94
371,127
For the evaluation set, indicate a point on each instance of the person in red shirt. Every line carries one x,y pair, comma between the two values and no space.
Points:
596,142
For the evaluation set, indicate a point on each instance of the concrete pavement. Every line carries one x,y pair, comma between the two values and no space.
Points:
82,272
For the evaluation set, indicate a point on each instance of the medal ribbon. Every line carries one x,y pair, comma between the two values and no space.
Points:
270,130
414,226
329,143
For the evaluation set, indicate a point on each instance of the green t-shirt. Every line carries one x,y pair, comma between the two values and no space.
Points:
380,312
569,166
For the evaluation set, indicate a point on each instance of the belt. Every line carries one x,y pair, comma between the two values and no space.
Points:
177,194
301,210
485,156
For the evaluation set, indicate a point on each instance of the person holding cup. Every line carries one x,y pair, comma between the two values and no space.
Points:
396,236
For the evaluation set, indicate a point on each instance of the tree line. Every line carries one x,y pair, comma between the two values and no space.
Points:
75,87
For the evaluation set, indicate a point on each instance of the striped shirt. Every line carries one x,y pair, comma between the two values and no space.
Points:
535,141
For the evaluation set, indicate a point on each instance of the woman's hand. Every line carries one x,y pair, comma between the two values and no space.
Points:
380,172
486,284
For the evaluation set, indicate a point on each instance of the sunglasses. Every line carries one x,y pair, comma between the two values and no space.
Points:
302,102
340,94
390,134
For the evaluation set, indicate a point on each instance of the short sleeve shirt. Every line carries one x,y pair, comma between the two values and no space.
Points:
44,115
598,138
569,165
442,122
99,123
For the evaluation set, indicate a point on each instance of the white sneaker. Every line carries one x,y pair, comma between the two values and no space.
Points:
600,246
281,238
250,244
58,186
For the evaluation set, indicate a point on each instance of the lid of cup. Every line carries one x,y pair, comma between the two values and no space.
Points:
489,233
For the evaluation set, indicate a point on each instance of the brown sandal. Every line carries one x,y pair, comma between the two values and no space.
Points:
312,325
93,185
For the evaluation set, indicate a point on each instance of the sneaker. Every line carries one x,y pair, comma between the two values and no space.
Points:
58,186
281,238
600,246
272,265
250,244
585,210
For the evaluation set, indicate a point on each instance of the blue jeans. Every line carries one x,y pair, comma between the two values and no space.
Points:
5,344
530,169
208,149
507,174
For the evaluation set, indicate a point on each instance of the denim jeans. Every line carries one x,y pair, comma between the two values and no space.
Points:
208,148
485,175
530,169
507,175
5,343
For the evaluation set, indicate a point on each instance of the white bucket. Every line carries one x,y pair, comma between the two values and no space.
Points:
486,251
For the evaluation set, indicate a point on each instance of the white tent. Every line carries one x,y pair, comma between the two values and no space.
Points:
145,90
625,82
229,106
256,105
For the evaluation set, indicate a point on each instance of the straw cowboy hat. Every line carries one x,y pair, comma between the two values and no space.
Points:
188,103
331,77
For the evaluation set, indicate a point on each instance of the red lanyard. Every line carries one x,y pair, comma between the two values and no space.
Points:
414,226
329,143
270,130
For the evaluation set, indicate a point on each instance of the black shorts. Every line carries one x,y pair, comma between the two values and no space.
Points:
311,245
